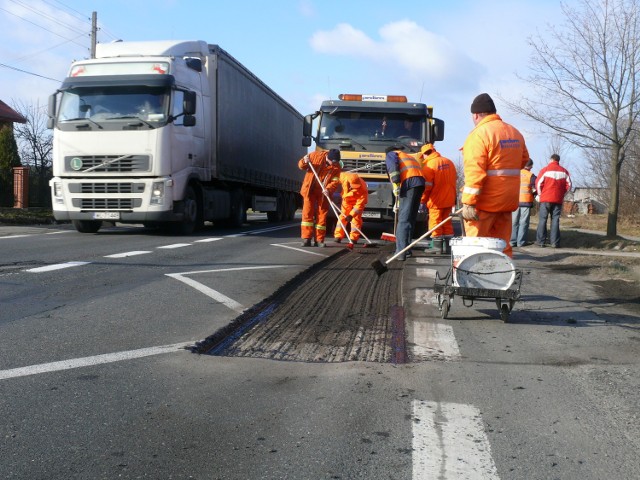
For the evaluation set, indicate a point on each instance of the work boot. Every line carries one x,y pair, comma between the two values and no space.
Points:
437,245
306,242
320,244
337,239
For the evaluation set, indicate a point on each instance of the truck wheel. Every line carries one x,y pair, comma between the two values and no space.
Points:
87,226
238,209
191,213
291,206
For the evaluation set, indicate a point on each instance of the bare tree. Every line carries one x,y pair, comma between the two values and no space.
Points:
34,140
586,76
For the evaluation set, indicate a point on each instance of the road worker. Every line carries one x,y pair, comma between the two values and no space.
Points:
354,199
494,153
522,215
405,173
315,204
439,195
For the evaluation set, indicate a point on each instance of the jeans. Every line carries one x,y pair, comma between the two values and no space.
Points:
546,209
407,213
520,226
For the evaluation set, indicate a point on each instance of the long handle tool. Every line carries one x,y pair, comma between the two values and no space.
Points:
391,237
326,194
381,268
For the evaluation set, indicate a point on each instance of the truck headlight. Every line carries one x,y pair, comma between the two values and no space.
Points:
57,192
157,193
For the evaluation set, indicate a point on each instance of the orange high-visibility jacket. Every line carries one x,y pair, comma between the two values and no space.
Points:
404,167
527,187
494,153
440,181
329,174
354,192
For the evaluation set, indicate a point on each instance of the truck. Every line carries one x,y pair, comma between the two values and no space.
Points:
171,134
362,126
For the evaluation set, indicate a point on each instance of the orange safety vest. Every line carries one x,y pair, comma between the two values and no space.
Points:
526,188
409,166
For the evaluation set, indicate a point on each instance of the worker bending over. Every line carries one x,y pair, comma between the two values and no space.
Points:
354,199
315,207
439,194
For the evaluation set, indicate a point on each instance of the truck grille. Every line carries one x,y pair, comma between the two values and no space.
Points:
132,163
365,166
89,187
106,203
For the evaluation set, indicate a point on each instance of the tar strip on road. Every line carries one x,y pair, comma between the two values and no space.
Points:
337,310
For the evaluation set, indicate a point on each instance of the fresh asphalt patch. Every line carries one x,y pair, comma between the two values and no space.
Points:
337,310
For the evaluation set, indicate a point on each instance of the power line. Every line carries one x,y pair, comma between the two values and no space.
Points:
29,73
45,15
34,54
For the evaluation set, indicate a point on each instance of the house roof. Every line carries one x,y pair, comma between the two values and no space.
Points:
8,114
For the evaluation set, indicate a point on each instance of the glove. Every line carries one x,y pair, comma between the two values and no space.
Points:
348,218
396,189
305,160
469,212
422,208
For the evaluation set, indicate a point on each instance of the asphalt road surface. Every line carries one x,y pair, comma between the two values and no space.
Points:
240,355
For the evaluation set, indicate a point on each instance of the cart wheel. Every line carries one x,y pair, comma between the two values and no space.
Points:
444,309
504,313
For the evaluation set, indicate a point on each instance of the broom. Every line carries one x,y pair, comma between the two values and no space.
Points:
391,237
381,268
333,207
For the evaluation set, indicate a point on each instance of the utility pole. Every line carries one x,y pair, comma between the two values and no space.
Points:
94,33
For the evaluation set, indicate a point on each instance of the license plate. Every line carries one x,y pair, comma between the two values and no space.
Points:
106,215
371,215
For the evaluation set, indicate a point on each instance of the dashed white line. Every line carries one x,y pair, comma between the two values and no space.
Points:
299,250
57,266
205,240
127,254
89,361
434,340
175,245
449,443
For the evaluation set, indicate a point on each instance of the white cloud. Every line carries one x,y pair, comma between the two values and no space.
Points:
405,46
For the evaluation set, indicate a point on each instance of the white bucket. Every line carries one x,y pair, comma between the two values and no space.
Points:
478,262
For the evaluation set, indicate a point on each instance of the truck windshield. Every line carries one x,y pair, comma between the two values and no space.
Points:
367,127
149,104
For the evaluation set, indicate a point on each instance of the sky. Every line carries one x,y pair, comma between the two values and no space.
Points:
442,53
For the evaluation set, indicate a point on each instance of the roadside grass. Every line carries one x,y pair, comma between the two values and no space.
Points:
26,216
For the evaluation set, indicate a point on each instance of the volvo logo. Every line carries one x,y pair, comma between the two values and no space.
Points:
76,163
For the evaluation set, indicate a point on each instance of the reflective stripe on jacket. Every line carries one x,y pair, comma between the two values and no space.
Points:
553,183
401,166
494,153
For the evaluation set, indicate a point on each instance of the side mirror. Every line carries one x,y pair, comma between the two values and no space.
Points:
194,63
189,121
189,103
437,130
51,111
306,141
307,126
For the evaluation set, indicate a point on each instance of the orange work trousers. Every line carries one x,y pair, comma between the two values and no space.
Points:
356,221
314,216
491,224
437,215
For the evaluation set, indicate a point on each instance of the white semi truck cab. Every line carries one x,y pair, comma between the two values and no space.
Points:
362,127
170,133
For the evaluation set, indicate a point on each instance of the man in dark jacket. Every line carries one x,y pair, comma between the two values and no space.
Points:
552,185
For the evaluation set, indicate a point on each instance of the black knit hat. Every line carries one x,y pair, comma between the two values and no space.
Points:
334,155
483,103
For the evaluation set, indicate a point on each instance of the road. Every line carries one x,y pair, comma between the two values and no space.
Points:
96,382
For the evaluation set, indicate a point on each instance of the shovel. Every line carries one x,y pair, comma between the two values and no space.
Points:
381,268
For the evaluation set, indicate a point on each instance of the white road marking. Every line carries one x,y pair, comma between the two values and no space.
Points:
305,250
426,272
424,260
176,245
57,266
210,292
426,296
449,443
205,240
434,340
127,254
89,361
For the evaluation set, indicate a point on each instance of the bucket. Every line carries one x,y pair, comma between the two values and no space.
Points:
478,262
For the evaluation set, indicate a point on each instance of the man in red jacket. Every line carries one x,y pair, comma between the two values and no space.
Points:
552,184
